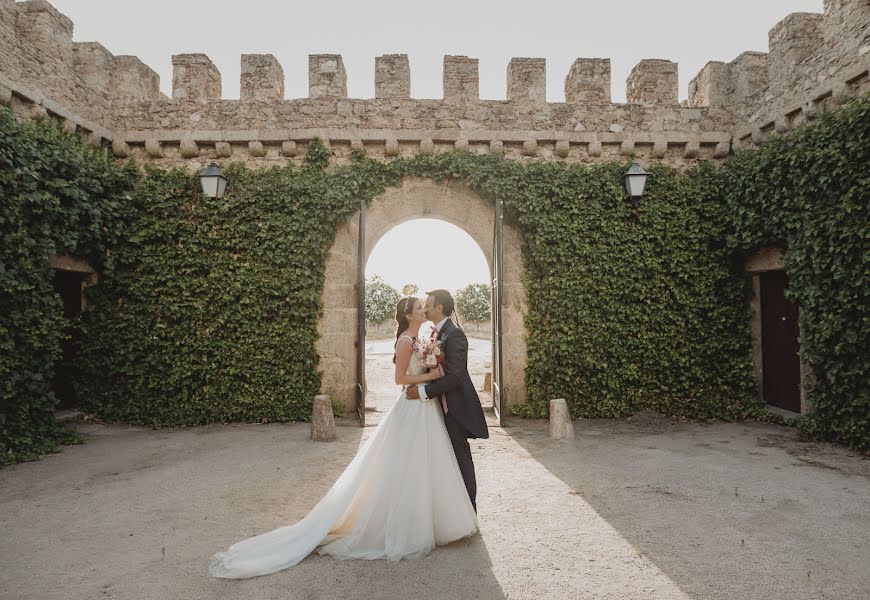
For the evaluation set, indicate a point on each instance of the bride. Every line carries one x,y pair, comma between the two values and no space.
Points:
399,497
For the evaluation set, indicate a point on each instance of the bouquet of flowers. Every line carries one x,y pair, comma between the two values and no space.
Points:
429,353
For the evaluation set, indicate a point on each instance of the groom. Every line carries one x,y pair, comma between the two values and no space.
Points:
463,415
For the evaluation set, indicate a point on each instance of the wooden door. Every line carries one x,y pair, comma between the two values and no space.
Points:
68,285
781,371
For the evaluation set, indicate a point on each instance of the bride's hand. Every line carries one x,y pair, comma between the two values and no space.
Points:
434,374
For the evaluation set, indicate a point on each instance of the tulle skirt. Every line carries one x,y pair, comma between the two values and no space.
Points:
399,497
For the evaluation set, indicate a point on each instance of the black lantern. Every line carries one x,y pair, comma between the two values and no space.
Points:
635,181
213,181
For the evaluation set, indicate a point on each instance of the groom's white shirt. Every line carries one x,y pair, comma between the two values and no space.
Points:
421,387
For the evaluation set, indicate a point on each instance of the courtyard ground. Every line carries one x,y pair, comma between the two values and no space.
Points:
643,508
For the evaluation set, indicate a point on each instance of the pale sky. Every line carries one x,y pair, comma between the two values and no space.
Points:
400,257
690,32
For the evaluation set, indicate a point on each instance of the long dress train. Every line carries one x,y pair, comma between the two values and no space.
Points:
400,496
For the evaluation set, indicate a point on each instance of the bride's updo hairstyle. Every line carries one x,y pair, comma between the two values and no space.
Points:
403,307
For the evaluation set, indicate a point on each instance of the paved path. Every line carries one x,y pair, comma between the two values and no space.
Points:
652,510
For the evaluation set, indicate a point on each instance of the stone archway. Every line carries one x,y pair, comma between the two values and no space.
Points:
415,198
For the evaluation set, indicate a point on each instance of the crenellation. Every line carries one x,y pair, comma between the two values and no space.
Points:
195,78
748,73
46,29
816,62
790,42
711,86
9,42
134,80
261,79
461,79
588,81
94,64
392,76
326,76
527,80
652,82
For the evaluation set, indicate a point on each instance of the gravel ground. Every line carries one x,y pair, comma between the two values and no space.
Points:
646,508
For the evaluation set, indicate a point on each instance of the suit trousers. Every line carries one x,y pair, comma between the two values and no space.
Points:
462,449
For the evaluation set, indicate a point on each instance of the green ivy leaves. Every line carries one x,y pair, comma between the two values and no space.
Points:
207,309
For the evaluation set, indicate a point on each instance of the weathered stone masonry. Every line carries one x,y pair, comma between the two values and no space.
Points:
815,62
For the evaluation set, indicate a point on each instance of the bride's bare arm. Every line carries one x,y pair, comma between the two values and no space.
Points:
403,358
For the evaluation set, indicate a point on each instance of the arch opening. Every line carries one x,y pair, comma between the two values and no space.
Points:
411,258
415,198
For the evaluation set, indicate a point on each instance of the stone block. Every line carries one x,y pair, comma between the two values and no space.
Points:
561,427
527,80
326,76
461,79
195,77
120,149
594,148
530,148
261,79
588,81
427,146
188,148
652,82
256,148
562,148
391,147
223,149
322,420
289,148
392,76
153,148
487,382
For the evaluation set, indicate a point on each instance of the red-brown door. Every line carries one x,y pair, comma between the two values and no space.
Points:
68,284
781,379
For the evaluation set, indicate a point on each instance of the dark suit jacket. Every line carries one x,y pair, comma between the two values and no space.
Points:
462,399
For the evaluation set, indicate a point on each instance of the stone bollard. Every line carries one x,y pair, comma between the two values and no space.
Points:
561,427
487,382
322,421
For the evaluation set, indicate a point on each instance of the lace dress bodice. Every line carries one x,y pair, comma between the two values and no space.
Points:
414,367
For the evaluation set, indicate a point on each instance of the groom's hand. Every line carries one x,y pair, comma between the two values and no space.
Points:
411,393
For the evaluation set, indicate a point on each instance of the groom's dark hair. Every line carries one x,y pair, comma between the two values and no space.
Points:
443,298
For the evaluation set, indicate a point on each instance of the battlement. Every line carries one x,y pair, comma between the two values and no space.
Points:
813,60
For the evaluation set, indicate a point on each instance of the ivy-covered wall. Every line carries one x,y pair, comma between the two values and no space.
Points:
55,194
809,192
207,308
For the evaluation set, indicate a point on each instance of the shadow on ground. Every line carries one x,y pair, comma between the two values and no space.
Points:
729,510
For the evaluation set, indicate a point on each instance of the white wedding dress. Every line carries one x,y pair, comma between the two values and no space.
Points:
399,497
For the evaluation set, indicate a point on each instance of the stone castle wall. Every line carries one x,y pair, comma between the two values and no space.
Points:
815,61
